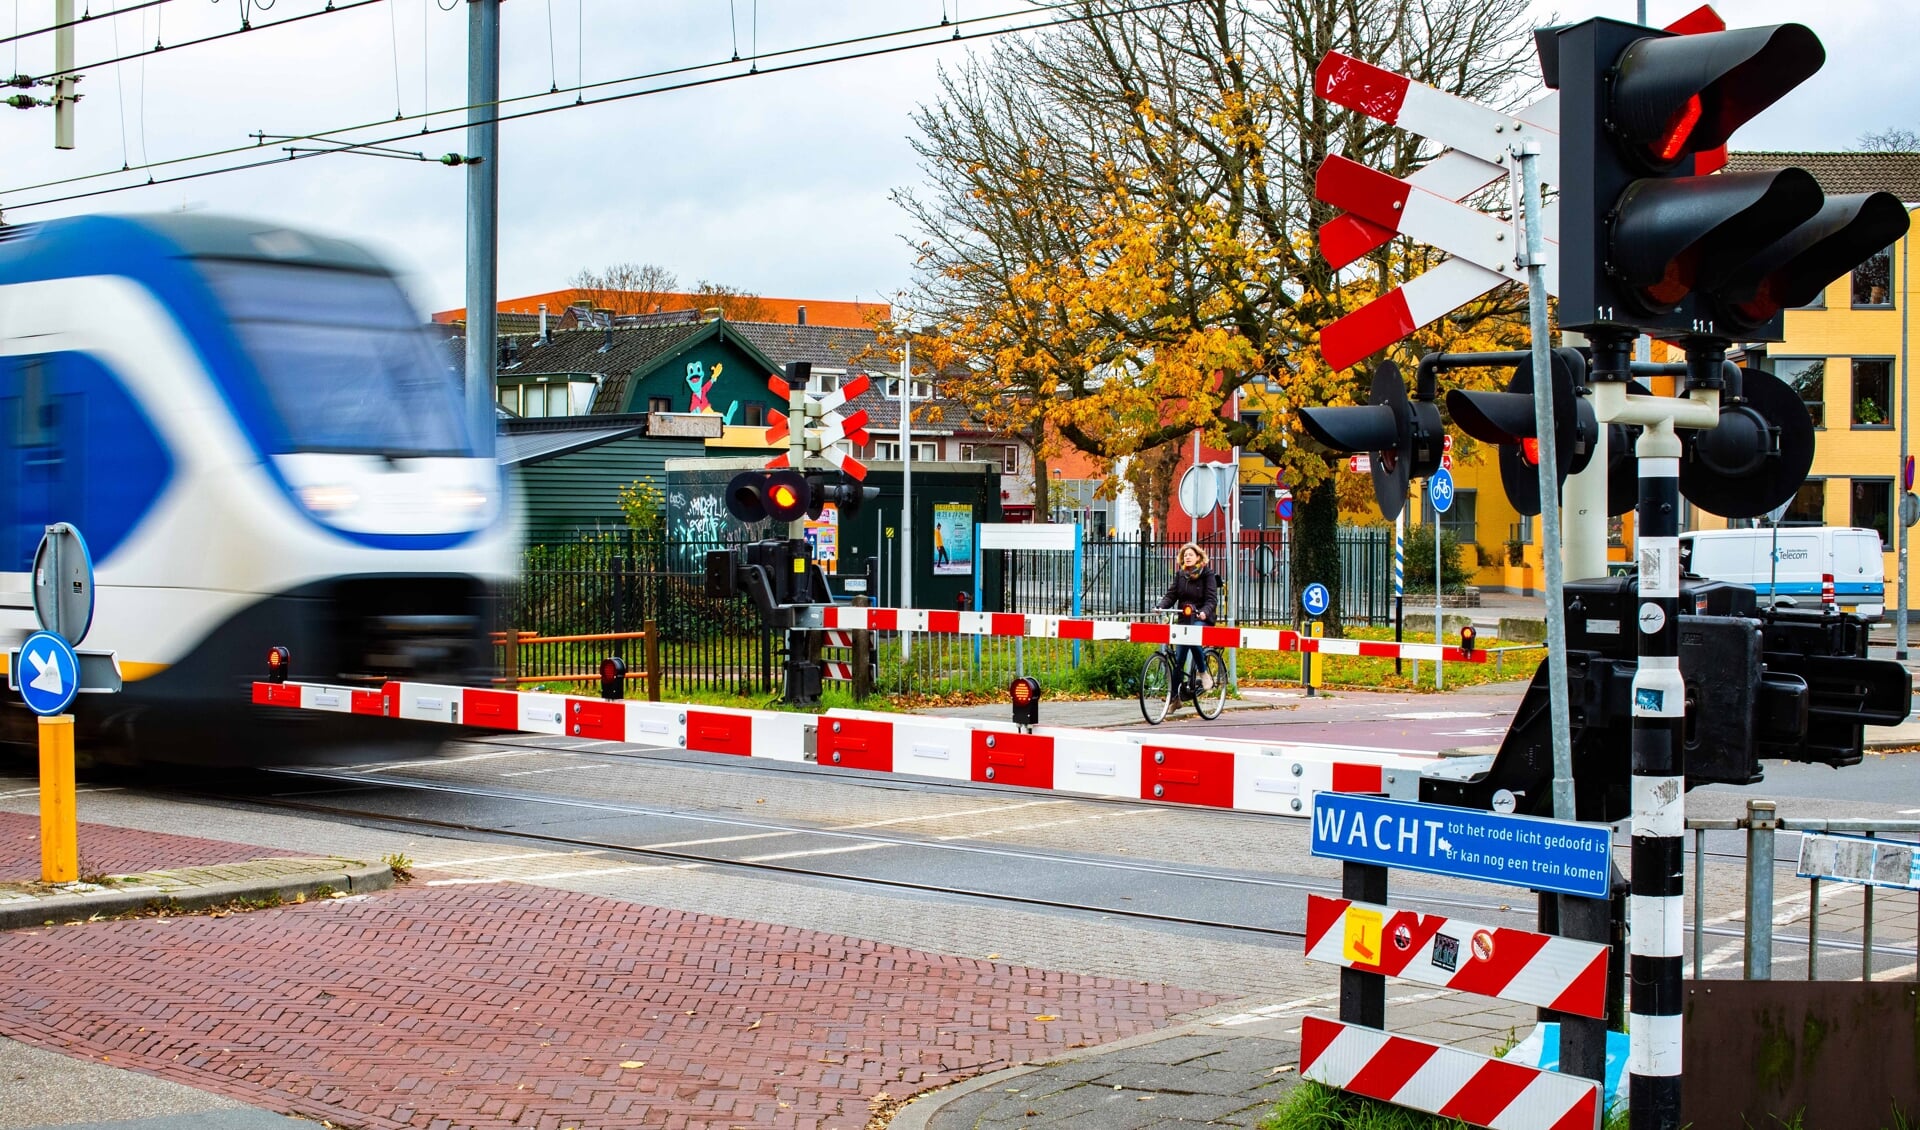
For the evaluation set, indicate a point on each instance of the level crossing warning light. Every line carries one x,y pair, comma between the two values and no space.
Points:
613,678
1024,691
1467,638
278,660
755,496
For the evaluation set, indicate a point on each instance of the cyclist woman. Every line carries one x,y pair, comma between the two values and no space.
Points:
1195,592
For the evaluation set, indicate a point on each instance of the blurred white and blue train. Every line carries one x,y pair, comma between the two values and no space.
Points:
261,444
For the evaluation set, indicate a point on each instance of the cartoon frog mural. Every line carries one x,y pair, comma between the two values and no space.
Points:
700,384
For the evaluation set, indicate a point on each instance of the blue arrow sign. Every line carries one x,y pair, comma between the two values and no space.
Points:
49,674
1440,490
1314,598
1465,843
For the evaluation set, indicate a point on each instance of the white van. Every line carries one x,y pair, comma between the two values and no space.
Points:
1806,554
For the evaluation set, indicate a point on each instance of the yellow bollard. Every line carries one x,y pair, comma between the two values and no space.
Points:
59,823
1318,675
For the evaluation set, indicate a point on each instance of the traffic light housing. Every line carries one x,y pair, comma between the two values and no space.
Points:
838,491
1024,693
1402,439
1649,247
613,678
1759,454
278,660
1507,419
755,496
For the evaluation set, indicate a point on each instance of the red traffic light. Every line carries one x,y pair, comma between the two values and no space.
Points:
1467,638
613,678
755,496
1025,693
278,660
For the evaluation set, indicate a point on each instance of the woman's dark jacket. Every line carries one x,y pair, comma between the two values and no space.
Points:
1199,588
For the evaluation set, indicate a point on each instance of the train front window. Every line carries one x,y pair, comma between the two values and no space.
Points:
345,362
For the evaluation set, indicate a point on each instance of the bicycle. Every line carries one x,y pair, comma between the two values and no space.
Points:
1160,692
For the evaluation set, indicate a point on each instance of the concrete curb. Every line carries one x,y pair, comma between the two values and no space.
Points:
342,875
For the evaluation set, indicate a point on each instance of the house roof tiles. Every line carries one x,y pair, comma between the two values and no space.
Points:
1843,172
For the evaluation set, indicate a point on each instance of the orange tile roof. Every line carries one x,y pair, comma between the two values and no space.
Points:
820,312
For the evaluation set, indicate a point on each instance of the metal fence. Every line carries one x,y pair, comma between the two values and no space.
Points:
1849,905
1125,577
615,581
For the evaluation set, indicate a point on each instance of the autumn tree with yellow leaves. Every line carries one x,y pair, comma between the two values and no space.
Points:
1116,229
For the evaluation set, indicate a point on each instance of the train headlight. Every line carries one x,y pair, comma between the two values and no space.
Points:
465,500
329,499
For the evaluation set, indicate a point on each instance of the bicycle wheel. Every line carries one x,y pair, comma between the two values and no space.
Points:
1156,688
1211,702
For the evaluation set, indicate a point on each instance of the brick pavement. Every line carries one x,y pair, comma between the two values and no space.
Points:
107,850
498,1005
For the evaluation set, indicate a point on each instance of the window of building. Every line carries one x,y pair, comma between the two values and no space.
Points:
890,388
1873,280
1459,518
659,403
1872,507
828,379
926,452
981,453
753,414
1809,505
1256,512
1808,377
922,390
1011,463
1872,392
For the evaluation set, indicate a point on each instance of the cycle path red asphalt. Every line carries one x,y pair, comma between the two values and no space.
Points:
506,1005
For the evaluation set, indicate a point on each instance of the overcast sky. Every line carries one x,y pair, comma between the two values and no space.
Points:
776,183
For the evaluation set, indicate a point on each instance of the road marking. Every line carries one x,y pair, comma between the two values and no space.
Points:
817,851
1438,715
441,865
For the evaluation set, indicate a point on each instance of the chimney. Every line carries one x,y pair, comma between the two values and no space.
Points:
543,323
803,316
608,343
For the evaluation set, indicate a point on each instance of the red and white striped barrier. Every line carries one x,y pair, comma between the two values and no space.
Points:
1010,624
1432,949
1279,778
1445,1081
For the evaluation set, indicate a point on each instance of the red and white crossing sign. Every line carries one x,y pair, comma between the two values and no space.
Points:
1427,206
1445,1081
828,433
1360,464
1451,953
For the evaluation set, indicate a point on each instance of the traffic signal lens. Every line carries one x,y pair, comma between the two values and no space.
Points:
613,678
1674,143
1530,451
783,496
278,659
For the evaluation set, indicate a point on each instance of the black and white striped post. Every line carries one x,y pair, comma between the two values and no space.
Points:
1659,793
1657,884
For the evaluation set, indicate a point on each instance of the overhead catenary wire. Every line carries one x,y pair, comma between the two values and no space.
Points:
19,35
1071,9
159,46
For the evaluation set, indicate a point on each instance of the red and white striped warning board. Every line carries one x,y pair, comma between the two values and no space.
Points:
1445,1081
1280,778
1433,949
1009,624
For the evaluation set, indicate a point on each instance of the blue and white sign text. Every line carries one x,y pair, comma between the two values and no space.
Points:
1518,851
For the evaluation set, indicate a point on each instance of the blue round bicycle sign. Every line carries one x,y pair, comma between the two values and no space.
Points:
49,673
1440,490
1314,598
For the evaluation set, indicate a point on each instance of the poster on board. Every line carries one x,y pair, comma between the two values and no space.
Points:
952,539
823,539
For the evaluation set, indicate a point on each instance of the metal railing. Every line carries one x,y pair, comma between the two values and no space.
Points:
1762,824
529,658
